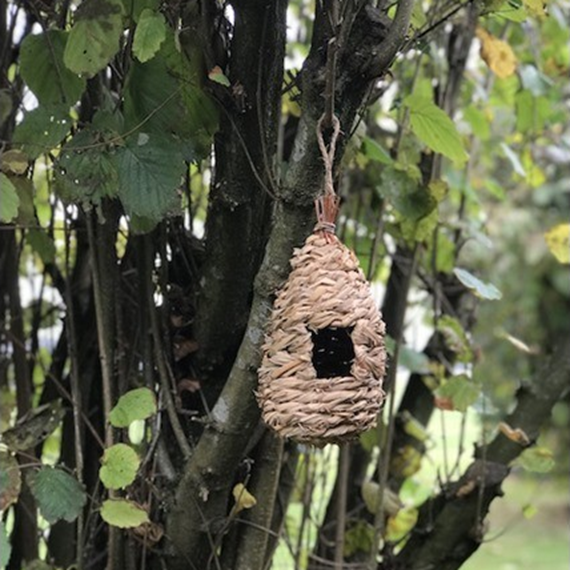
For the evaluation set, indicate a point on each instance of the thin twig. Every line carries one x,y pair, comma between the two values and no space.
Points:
260,122
344,465
374,246
162,366
254,170
76,398
60,388
106,360
332,49
384,455
104,357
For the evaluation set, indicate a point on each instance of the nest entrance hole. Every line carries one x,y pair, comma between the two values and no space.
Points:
333,351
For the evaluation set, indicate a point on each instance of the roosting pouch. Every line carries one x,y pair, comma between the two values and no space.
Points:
324,357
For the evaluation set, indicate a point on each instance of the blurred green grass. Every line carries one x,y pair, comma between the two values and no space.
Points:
515,542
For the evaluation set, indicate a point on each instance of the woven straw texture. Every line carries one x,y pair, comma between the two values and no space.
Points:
326,289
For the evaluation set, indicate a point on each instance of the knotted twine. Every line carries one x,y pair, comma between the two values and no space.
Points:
327,205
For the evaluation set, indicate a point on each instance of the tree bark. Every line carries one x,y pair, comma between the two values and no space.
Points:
25,534
243,182
201,498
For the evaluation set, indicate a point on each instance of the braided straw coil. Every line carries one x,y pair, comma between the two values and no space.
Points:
326,291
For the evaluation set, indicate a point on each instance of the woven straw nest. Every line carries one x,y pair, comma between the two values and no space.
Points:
320,380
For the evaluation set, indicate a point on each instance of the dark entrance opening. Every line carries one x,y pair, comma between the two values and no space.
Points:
333,352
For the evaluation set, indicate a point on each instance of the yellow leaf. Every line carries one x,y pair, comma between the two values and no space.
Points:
514,434
558,242
405,462
391,503
401,524
244,499
497,54
535,8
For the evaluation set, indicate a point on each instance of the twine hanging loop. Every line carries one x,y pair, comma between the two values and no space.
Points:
327,205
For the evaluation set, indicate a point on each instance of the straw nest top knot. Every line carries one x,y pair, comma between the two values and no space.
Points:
324,357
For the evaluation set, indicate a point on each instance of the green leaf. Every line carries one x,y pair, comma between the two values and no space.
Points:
370,438
137,404
479,288
149,34
32,428
418,18
445,253
495,189
370,492
134,8
455,338
42,68
478,122
414,427
411,200
86,169
123,513
153,105
461,391
200,110
217,76
438,189
359,537
9,200
42,129
14,161
508,10
534,80
139,225
420,231
59,495
119,466
532,112
558,242
42,244
414,361
376,152
10,480
513,159
434,128
150,168
536,460
94,38
415,492
5,546
164,96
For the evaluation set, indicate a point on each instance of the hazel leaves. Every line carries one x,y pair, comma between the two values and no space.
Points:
435,128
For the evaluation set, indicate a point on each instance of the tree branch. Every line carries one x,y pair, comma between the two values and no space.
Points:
238,203
201,499
387,50
264,483
449,529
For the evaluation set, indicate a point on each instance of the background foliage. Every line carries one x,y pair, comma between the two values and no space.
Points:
159,163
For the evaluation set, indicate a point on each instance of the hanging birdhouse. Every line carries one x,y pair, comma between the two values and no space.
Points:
320,380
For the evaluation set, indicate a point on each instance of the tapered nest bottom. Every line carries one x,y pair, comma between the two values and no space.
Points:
321,410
